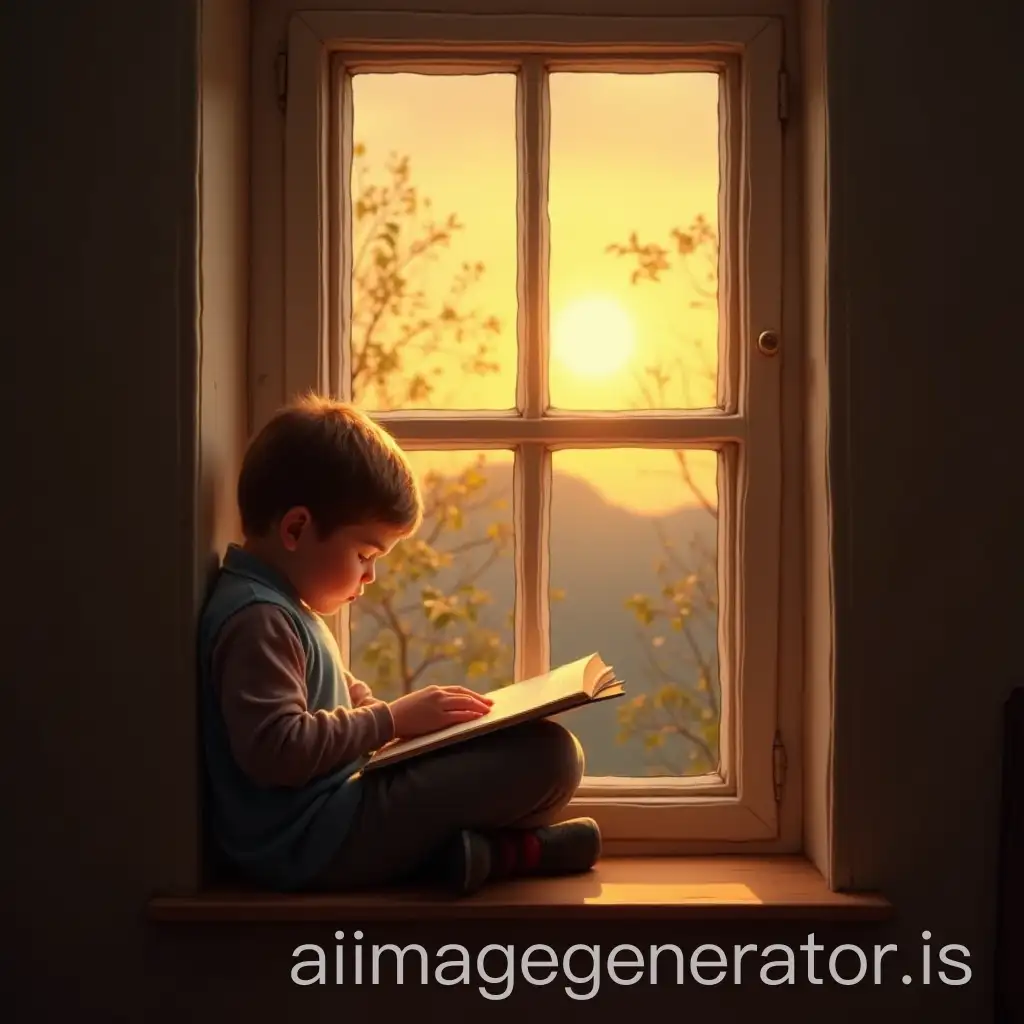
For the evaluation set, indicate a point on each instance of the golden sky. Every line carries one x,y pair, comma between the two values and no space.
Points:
628,153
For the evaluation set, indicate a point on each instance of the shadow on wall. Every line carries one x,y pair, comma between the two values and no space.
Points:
1010,900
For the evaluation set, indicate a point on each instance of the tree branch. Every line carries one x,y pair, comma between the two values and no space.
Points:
686,734
426,663
403,642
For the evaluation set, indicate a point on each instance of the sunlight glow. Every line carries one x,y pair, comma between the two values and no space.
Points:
594,337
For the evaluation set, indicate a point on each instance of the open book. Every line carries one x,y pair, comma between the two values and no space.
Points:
574,685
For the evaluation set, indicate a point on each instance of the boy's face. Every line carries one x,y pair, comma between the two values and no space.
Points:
329,572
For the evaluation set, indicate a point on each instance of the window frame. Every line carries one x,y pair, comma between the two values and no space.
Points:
743,805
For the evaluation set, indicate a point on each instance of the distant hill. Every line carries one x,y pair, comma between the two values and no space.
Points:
600,555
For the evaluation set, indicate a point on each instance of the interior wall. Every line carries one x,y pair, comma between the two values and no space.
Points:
102,317
922,437
817,721
224,269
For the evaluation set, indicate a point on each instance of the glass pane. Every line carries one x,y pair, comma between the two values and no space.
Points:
648,604
434,241
633,202
441,607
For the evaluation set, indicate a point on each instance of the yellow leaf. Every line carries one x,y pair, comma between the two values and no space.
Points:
668,696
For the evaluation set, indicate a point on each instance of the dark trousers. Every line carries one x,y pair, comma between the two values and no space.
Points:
520,777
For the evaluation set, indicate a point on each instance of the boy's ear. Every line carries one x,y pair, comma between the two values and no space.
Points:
294,523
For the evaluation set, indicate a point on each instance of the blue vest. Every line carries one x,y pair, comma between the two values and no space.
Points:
278,836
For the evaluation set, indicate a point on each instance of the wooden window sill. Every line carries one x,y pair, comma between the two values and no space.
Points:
629,888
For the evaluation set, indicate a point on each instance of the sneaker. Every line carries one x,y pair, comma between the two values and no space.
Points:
564,848
466,864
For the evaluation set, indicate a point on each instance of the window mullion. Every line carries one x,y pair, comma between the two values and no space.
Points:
341,235
532,524
532,141
533,460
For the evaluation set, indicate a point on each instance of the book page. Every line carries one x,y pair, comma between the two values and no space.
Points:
510,701
605,680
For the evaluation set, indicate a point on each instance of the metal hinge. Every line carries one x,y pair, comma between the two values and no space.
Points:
780,764
281,79
783,95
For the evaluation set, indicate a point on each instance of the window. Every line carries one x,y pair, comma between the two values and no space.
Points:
584,363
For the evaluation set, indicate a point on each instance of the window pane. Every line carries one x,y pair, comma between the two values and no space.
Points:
441,607
633,202
434,241
648,603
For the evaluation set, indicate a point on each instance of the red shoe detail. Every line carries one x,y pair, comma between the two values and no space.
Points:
506,855
531,851
515,853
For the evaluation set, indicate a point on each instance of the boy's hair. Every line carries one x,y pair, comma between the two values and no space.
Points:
334,460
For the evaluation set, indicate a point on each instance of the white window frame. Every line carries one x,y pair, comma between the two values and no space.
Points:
742,804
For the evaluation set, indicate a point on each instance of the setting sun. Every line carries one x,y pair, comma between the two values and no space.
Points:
594,337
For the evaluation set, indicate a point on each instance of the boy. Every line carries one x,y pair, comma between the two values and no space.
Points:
323,493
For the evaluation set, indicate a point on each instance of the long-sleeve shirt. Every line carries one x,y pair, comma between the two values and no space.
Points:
259,672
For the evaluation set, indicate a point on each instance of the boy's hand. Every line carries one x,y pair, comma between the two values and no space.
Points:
435,707
359,693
